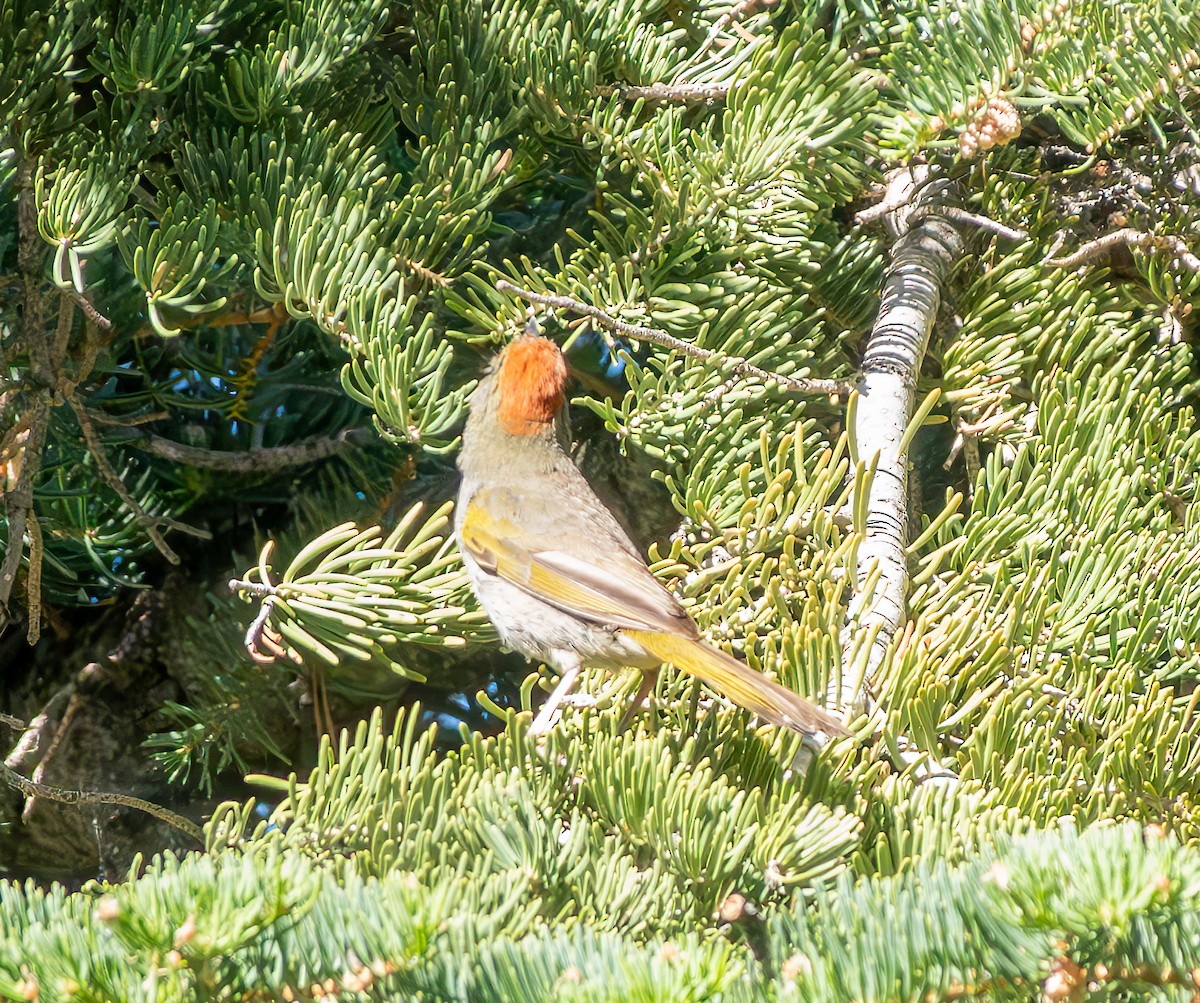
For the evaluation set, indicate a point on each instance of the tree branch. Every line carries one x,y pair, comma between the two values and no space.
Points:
17,504
656,336
267,459
921,259
113,480
89,309
64,795
18,501
1127,237
660,93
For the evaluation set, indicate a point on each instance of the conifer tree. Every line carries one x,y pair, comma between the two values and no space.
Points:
882,313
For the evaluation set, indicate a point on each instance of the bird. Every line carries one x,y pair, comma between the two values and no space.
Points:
557,575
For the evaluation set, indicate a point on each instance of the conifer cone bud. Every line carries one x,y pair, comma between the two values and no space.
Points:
998,123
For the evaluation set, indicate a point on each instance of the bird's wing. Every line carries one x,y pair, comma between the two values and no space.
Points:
622,593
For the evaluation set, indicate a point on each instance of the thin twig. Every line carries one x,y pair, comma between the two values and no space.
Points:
18,502
686,93
92,344
252,588
717,393
62,336
64,795
123,421
46,756
1127,237
267,459
31,745
891,197
89,310
254,633
898,196
33,580
827,388
739,9
12,722
10,443
973,219
113,480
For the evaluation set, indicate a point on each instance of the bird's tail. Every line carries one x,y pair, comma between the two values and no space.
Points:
739,683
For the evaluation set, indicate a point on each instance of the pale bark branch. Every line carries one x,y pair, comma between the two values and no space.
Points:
921,260
1127,237
683,93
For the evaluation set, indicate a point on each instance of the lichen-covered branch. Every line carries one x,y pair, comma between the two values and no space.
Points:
64,795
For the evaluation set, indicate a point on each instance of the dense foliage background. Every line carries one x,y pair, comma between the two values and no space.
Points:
253,256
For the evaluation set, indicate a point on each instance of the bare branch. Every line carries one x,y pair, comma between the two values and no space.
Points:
974,219
794,384
1127,237
685,93
121,421
33,741
254,633
896,197
18,502
64,795
921,259
31,260
62,335
33,580
89,310
252,588
267,459
113,480
12,438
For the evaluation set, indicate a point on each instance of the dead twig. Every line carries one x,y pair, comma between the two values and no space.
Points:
38,734
113,480
18,498
740,366
740,9
18,502
958,215
660,93
119,421
89,310
64,795
1127,237
265,459
898,197
62,334
256,638
15,723
33,580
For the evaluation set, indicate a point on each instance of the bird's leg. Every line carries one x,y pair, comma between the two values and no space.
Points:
649,679
541,723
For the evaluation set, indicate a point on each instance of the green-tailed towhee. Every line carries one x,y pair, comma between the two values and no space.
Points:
557,575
